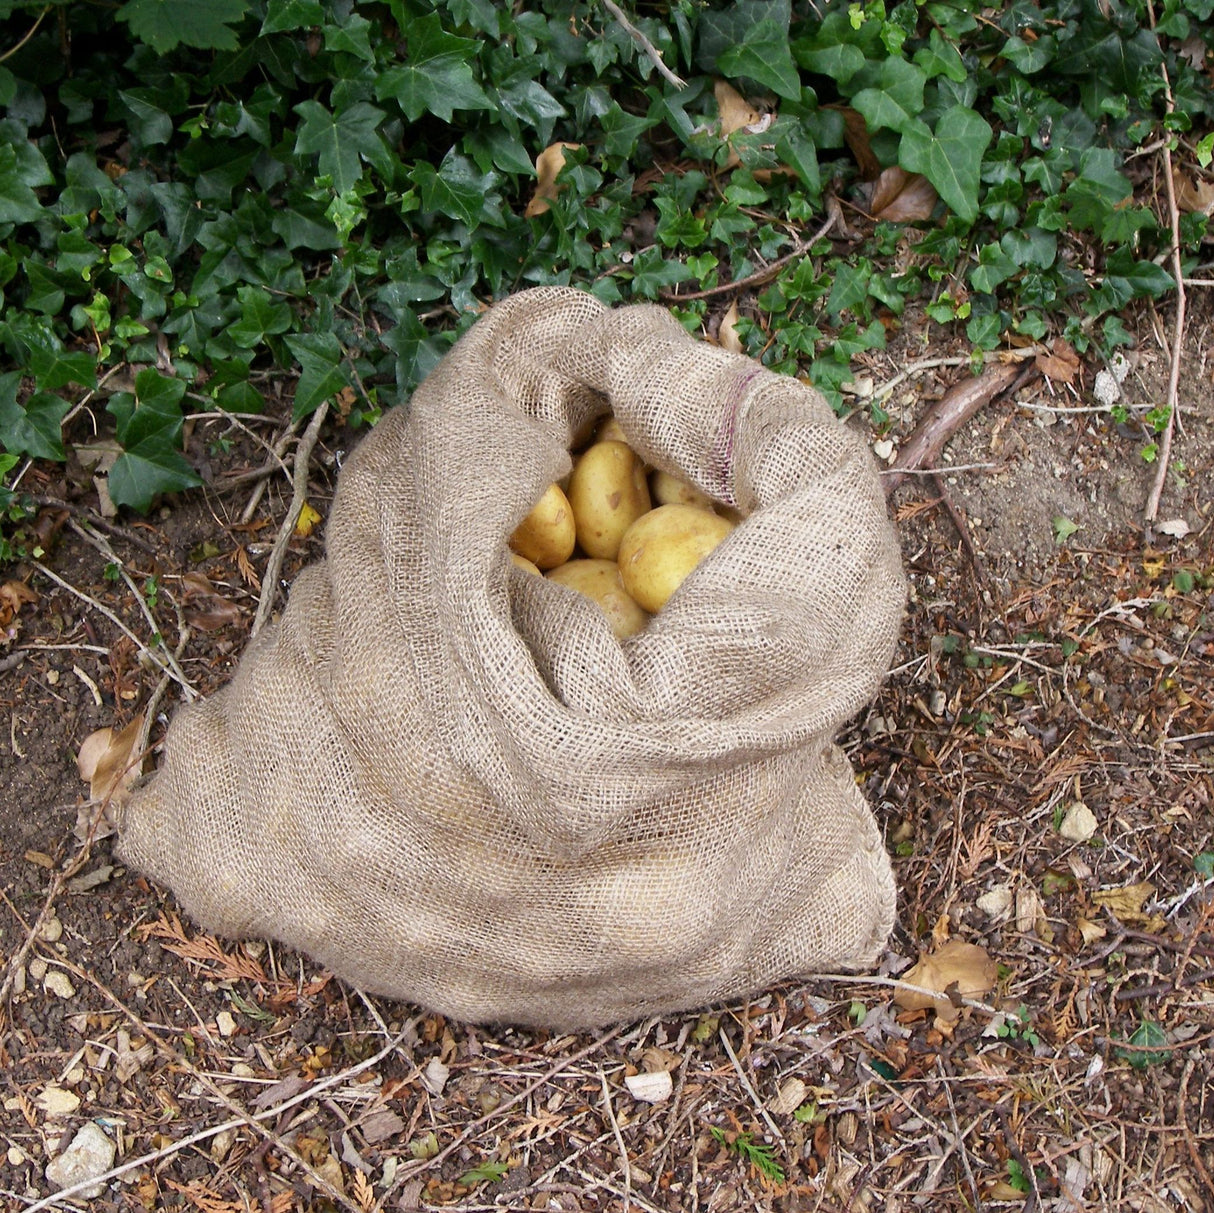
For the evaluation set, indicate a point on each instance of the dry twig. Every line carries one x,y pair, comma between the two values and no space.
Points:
299,494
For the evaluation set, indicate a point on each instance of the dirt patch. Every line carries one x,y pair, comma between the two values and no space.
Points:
1043,676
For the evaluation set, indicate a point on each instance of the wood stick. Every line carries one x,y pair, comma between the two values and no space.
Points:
946,416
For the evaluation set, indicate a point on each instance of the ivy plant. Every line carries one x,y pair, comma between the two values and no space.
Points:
220,194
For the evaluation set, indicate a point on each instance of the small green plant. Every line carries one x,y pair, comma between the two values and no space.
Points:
1017,1025
1203,864
486,1172
756,1154
1064,528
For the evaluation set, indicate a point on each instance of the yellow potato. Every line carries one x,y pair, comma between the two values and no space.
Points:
661,548
670,490
547,535
526,565
600,581
608,493
609,431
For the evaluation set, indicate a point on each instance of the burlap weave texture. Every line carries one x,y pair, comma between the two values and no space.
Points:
446,779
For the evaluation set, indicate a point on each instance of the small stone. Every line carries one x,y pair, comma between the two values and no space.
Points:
650,1088
226,1024
38,968
55,1101
90,1155
1079,823
51,930
997,903
58,983
16,1156
884,449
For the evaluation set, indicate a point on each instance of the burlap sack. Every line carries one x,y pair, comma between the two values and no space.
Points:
445,778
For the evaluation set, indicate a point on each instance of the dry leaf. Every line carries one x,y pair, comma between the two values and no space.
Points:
1125,903
789,1097
1028,909
109,762
901,197
248,573
1061,364
307,521
13,596
961,968
736,112
206,608
727,334
548,165
855,133
1193,196
1090,931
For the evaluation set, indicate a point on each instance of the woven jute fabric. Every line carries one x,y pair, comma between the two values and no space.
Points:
448,781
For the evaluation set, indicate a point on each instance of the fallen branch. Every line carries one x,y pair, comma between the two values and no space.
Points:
945,417
655,55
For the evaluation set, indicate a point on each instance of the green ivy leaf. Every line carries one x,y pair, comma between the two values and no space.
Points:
32,428
1097,190
437,75
1142,277
950,158
260,314
53,369
165,24
341,140
1146,1038
763,55
941,58
994,266
22,170
895,101
320,360
143,472
458,190
149,425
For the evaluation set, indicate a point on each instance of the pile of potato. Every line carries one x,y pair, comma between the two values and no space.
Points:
603,535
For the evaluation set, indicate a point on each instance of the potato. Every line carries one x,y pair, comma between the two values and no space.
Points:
547,535
600,580
661,548
608,493
670,490
525,564
609,431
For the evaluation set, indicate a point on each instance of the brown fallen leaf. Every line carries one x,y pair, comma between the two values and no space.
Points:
736,112
957,968
13,596
1193,196
109,762
727,334
548,165
1061,364
855,134
901,197
1126,903
205,607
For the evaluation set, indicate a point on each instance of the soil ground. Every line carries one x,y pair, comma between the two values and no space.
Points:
1033,676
